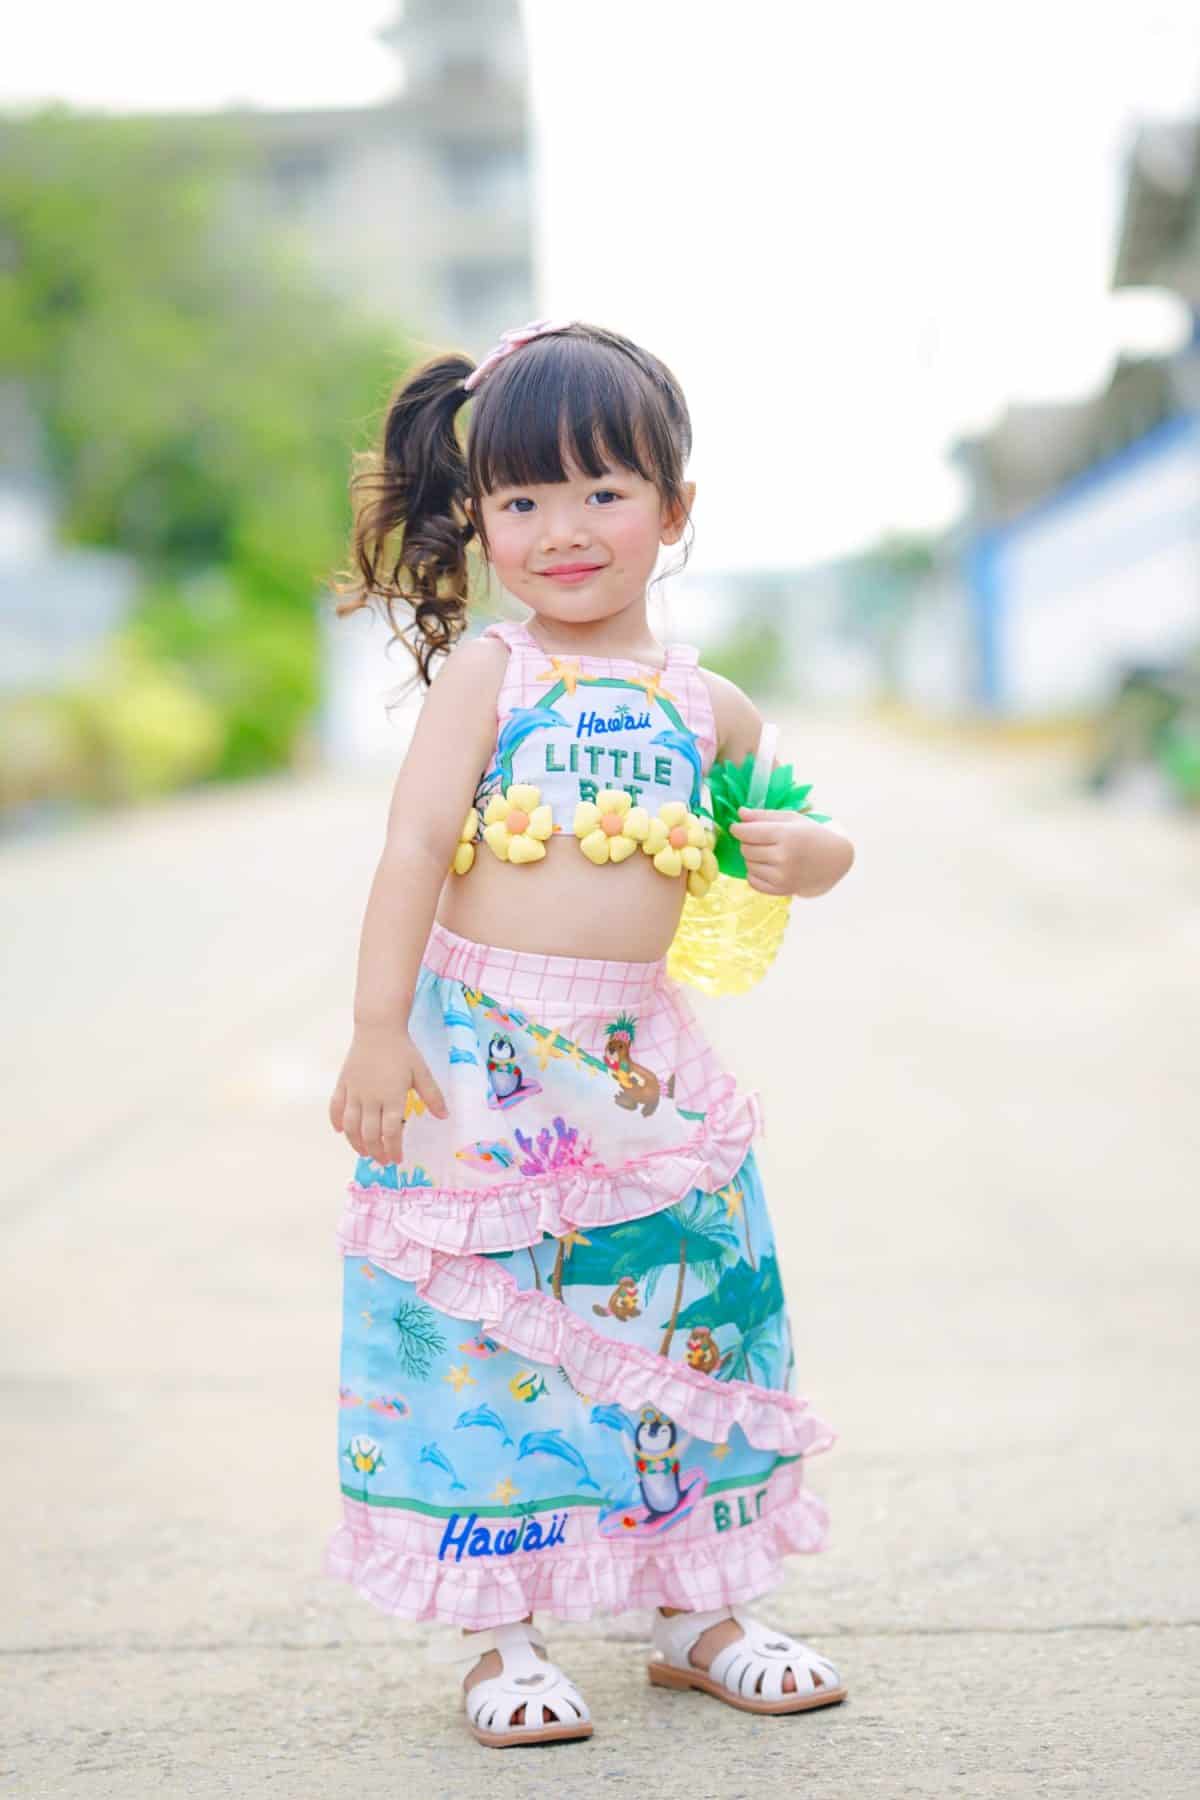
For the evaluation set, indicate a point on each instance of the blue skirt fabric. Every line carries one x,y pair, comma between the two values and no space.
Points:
602,1416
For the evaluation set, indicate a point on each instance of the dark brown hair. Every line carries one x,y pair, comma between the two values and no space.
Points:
580,395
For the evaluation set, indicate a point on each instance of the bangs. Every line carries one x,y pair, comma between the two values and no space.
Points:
568,401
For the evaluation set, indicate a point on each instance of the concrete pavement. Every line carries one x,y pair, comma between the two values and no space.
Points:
981,1152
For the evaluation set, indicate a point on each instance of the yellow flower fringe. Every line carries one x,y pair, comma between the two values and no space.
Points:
516,824
464,850
610,828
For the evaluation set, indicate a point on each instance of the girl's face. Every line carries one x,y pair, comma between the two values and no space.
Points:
583,549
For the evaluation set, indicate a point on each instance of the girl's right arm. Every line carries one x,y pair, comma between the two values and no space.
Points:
451,744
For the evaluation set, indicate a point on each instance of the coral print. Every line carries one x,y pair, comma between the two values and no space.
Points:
561,1148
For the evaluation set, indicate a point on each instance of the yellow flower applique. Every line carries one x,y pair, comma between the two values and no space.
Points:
678,840
464,850
611,827
516,825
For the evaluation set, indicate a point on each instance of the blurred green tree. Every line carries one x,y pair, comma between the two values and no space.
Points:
198,395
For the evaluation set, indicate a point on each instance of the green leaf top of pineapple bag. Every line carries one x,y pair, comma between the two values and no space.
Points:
731,785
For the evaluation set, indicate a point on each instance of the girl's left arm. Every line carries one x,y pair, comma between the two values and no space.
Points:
785,852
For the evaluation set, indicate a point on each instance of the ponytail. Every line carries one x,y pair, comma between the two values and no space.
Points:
415,484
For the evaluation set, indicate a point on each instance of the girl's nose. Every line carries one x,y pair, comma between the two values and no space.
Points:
569,530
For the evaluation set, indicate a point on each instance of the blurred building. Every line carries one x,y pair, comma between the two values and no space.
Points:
419,212
1080,548
416,211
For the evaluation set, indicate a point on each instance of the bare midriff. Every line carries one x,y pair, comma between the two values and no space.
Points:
565,905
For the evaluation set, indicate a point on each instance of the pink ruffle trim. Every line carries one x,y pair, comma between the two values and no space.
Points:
541,1329
598,1577
519,1213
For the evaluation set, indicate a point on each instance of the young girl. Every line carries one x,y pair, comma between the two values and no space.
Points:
567,1376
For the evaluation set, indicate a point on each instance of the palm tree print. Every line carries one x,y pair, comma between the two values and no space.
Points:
566,1245
691,1235
752,1301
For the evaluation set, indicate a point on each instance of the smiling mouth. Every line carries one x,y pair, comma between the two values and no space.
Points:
573,569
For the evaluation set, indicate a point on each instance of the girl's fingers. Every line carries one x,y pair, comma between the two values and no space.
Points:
765,884
352,1125
428,1088
756,831
337,1106
759,859
393,1134
372,1131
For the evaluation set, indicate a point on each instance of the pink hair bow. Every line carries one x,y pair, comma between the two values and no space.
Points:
511,340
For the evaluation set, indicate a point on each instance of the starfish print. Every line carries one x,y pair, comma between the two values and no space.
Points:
504,1491
653,686
413,1103
367,1317
367,1270
564,669
732,1196
720,1451
545,1049
459,1378
574,1054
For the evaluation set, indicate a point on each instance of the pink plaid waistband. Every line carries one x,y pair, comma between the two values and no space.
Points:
579,982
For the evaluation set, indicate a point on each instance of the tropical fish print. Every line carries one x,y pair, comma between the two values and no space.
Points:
527,1386
392,1406
494,1154
481,1345
348,1399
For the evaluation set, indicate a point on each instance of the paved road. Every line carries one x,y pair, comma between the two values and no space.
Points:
981,1148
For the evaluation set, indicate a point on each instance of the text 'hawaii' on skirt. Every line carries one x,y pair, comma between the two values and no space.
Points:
567,1381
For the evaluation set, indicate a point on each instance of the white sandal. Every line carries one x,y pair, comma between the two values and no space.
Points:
554,1707
747,1673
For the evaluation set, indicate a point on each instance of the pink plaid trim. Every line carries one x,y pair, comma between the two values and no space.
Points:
577,995
681,676
541,1329
377,1220
575,984
390,1556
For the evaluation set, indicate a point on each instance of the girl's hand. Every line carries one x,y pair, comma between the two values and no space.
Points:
369,1102
788,854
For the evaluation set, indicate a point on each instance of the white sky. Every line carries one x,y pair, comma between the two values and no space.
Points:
853,232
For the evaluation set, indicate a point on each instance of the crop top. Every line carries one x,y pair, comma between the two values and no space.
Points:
603,749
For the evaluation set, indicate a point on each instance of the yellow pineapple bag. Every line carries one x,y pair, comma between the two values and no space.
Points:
726,941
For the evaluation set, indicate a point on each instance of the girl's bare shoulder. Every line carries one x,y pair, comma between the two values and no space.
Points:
738,721
470,678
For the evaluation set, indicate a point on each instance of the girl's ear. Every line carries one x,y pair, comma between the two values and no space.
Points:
676,517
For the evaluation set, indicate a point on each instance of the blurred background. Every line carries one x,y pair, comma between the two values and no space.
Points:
935,308
930,278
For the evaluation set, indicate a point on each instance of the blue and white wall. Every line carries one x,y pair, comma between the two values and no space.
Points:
1103,573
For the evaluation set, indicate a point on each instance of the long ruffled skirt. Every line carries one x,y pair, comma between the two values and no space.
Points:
567,1380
